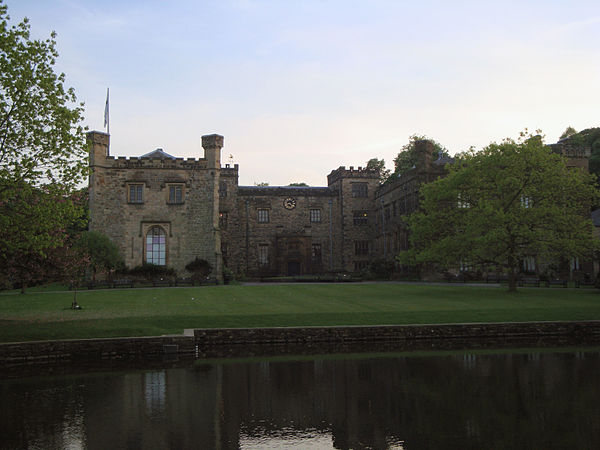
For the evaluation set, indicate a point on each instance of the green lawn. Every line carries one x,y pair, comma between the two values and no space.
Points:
144,312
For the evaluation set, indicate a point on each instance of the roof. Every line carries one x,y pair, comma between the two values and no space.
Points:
443,160
158,154
305,191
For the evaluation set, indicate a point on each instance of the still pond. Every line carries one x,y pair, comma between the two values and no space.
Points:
528,399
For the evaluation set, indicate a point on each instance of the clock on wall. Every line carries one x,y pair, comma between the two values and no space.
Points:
289,203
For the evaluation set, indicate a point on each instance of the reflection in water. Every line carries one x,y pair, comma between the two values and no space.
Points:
467,401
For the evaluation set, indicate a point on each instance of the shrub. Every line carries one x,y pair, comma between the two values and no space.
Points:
381,269
199,268
151,271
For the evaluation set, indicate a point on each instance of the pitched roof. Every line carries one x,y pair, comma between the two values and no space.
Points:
158,154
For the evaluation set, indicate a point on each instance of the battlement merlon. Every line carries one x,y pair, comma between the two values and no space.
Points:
212,144
98,144
342,172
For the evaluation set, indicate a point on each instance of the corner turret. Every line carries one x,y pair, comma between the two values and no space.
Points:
212,144
98,144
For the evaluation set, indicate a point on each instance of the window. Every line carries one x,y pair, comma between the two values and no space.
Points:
263,254
360,217
316,253
575,263
315,215
224,252
359,189
223,189
386,211
360,265
136,193
529,264
223,220
156,245
526,202
361,248
175,194
394,209
263,215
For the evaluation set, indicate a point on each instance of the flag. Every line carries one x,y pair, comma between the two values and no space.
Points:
106,111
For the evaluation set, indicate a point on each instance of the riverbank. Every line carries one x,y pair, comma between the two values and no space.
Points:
19,358
43,316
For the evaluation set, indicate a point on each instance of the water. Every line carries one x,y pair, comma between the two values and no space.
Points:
528,399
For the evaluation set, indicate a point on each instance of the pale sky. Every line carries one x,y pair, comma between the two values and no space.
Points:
299,88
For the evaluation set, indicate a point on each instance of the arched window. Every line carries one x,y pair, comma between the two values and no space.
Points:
156,245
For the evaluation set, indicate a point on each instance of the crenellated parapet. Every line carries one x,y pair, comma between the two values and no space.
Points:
154,163
360,173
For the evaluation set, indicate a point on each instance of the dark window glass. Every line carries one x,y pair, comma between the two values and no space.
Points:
361,248
359,189
360,218
136,193
175,194
315,215
316,253
263,215
223,220
263,254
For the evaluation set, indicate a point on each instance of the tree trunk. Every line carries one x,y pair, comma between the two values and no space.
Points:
23,288
512,281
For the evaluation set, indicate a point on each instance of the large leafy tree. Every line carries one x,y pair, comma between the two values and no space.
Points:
510,201
42,145
407,158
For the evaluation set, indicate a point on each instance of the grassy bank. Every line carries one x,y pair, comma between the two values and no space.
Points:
144,312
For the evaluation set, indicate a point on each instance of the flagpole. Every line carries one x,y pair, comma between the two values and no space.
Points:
106,114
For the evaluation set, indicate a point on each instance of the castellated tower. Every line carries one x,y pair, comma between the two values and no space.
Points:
157,208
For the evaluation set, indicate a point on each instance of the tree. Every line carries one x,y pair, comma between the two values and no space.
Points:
33,222
103,254
379,165
570,131
262,183
42,146
298,184
496,207
407,158
69,264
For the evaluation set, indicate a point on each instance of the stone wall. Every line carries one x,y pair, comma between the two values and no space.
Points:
356,233
299,340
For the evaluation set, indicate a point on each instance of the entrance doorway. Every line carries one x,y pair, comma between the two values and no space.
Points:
293,268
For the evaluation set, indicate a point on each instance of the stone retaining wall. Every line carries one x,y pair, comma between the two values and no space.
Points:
272,341
52,352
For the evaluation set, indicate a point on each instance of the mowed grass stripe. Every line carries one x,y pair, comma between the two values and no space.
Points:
145,312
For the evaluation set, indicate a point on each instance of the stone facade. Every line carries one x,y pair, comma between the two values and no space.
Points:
399,197
176,199
167,210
